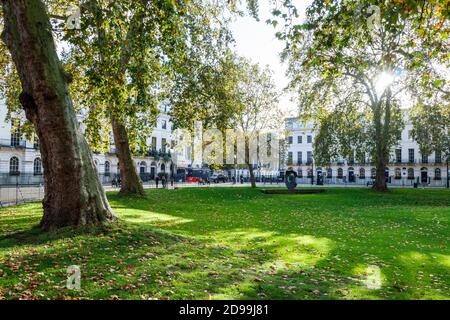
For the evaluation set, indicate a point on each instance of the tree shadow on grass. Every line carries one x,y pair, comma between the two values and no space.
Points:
235,247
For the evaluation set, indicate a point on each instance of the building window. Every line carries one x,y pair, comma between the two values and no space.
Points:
411,174
300,173
309,139
107,169
37,166
154,143
373,173
438,157
362,173
398,173
437,174
351,160
289,160
164,124
15,133
14,166
398,155
299,139
142,167
290,139
424,158
329,173
309,157
310,173
340,173
36,143
163,144
411,155
269,144
299,157
410,135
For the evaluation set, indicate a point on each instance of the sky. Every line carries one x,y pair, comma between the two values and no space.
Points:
256,40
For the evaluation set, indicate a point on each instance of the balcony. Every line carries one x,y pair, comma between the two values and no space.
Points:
19,143
166,156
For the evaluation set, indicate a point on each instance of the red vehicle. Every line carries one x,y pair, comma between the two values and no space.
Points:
192,175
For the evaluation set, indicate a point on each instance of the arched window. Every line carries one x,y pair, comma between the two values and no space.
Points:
362,173
14,166
437,174
329,173
398,173
142,167
340,173
107,168
373,173
37,166
411,174
163,167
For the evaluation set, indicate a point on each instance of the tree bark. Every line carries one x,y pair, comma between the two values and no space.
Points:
74,195
252,175
248,162
130,181
381,140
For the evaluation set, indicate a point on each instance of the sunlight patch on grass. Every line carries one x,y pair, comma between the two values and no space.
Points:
443,259
373,278
370,276
144,216
303,251
287,250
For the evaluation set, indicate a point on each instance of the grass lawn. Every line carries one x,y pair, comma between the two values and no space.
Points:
238,243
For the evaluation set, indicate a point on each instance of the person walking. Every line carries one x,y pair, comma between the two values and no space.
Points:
157,181
163,181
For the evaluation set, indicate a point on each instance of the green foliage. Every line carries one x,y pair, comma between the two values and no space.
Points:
339,58
431,127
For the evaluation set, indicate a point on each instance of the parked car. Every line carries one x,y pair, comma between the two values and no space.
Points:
218,177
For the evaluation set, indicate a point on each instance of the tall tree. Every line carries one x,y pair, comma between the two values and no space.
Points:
257,111
354,63
430,118
129,50
73,193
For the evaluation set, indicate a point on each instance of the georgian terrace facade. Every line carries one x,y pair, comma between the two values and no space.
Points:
20,159
406,166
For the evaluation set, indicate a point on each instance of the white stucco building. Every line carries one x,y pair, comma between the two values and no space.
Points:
20,160
405,167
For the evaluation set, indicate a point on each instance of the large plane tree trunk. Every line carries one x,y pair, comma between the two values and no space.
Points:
73,193
252,175
381,142
130,181
248,162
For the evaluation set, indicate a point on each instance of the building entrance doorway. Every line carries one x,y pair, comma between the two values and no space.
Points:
351,175
424,175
